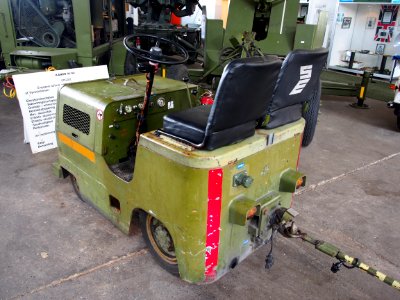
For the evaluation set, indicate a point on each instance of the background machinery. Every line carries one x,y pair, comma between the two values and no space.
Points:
68,33
37,34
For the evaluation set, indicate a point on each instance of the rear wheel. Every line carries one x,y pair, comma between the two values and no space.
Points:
398,122
311,116
160,243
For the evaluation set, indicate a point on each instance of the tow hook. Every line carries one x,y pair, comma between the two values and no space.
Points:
288,228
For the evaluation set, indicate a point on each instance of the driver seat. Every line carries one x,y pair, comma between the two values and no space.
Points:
241,100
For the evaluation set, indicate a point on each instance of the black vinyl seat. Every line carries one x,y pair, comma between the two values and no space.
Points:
240,101
297,81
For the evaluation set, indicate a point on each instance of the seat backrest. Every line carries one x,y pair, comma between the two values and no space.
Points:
244,89
298,79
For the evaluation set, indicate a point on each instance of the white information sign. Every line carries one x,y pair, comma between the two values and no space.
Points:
37,95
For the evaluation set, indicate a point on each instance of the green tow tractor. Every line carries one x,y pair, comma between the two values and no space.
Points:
209,184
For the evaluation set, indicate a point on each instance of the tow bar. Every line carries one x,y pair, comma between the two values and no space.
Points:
287,227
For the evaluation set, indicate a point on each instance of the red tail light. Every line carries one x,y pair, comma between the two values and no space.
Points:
250,214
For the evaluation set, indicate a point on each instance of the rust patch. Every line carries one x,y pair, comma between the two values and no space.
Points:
233,162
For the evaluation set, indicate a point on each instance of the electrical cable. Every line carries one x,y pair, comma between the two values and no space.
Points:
9,88
51,68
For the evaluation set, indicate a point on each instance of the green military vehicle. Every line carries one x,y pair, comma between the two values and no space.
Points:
207,182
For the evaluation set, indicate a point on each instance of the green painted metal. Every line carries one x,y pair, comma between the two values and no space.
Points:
358,90
57,170
116,62
170,179
85,53
83,29
284,34
311,36
7,34
289,181
32,58
238,10
320,30
112,98
239,210
282,28
213,45
305,34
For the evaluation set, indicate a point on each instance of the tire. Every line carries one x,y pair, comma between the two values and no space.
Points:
398,122
130,64
76,187
177,72
311,116
159,242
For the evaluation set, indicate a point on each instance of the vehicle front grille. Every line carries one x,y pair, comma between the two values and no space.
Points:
76,119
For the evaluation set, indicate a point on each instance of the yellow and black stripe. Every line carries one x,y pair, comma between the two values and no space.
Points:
357,263
333,251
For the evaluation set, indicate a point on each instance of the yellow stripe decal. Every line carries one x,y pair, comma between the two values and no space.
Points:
362,90
77,147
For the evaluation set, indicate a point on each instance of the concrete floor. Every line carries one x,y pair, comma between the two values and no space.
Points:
53,246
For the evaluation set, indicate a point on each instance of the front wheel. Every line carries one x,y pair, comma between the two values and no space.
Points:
160,243
76,187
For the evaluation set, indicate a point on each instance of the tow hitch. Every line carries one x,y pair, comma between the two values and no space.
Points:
288,228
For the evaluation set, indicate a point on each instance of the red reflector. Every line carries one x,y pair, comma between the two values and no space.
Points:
393,87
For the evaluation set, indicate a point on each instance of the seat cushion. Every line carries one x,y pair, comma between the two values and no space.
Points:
189,124
285,115
217,139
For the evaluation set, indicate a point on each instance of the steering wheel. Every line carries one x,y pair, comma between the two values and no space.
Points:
155,53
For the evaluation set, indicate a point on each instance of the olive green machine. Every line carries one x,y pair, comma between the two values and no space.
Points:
273,26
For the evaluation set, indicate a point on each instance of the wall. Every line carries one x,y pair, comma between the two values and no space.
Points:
343,37
215,10
360,38
314,8
365,37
